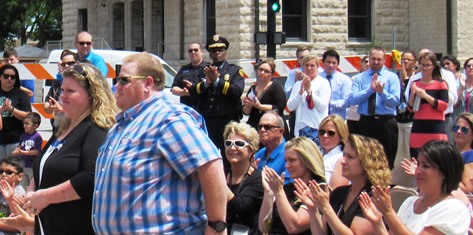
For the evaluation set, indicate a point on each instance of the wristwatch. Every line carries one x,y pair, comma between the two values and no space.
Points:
218,226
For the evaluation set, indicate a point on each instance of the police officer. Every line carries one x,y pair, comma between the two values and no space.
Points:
219,92
190,74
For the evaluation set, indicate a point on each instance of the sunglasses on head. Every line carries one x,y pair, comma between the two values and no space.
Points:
8,76
464,130
70,63
124,80
192,50
330,133
7,172
85,43
236,143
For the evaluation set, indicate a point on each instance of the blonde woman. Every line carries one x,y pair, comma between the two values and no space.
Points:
64,175
282,212
364,164
244,188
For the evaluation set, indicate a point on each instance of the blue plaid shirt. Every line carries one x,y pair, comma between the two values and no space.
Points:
146,174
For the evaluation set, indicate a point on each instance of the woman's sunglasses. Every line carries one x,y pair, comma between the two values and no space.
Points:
236,143
330,133
464,130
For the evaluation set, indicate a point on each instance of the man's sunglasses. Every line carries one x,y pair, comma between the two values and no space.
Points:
7,172
85,43
124,80
70,63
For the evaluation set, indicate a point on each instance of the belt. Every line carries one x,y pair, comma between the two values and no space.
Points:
378,116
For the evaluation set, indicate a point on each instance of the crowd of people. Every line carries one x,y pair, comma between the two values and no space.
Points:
129,161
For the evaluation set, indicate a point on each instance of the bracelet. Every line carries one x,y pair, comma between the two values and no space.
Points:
12,108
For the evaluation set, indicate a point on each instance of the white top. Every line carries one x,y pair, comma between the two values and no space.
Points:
449,216
449,77
321,93
330,160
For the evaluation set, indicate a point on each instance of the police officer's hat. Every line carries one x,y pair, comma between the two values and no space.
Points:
217,42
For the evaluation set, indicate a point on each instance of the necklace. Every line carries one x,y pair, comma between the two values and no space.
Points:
419,209
230,177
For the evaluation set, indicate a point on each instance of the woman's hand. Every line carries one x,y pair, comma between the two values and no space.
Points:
320,197
21,220
409,166
272,182
36,201
382,199
369,209
303,193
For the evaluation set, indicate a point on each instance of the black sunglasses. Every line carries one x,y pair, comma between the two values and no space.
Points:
463,129
85,43
193,50
124,80
266,127
8,76
236,143
7,172
70,63
330,133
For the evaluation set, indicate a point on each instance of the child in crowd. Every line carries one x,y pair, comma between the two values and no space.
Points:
11,173
30,144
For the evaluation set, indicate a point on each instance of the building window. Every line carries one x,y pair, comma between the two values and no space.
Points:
359,20
294,19
211,25
82,20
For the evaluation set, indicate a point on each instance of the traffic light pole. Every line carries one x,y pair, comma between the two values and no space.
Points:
271,46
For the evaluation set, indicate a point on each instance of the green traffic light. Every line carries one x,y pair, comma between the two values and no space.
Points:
276,6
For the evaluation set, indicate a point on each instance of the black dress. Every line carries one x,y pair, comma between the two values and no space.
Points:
73,159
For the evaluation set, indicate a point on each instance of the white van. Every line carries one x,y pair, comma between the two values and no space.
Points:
114,58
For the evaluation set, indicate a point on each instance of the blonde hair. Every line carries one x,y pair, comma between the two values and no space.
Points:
310,57
147,65
309,154
103,108
339,123
247,132
373,159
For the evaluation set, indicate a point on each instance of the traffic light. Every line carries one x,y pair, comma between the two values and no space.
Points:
275,5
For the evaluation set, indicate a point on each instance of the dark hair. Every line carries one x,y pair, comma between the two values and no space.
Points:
446,158
67,52
466,62
454,61
35,118
15,162
9,52
331,53
12,67
409,52
433,59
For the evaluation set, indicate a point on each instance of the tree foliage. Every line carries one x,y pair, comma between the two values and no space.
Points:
30,19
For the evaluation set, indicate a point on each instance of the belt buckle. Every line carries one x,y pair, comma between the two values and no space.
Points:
376,116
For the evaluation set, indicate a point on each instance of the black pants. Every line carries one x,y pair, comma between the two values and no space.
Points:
384,129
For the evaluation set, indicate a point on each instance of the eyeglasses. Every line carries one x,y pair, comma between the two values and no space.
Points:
470,66
217,50
7,172
70,63
262,70
85,43
330,133
124,80
464,129
236,143
193,50
27,124
267,127
426,65
8,76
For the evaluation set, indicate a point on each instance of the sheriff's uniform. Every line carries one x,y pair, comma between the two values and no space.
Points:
220,102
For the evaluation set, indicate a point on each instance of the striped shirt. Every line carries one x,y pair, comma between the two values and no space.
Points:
146,174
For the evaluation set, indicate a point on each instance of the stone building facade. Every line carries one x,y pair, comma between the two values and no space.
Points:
165,27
